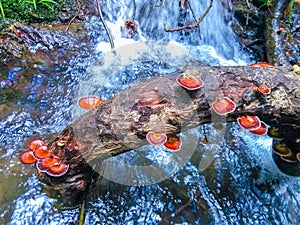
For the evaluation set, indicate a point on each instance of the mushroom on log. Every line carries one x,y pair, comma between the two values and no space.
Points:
122,122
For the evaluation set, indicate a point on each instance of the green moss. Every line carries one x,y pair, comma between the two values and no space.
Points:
9,95
30,10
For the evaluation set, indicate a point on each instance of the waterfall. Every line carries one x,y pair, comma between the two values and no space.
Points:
213,41
241,186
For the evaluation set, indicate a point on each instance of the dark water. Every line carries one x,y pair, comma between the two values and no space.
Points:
231,180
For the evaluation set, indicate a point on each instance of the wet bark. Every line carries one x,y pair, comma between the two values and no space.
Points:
161,105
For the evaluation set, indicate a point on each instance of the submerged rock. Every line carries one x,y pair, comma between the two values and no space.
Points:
286,33
270,31
249,26
17,39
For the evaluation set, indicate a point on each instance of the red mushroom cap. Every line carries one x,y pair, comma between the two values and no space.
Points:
42,152
173,143
44,164
190,83
40,167
223,106
89,102
281,149
156,139
149,99
58,170
27,157
261,64
262,130
263,89
249,122
36,143
298,156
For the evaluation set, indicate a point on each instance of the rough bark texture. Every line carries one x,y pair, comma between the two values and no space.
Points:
161,105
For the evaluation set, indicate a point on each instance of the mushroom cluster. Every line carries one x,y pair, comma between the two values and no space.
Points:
280,148
45,161
225,105
172,143
252,124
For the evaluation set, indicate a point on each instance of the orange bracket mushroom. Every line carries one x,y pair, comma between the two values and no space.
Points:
223,106
89,102
173,143
263,89
189,82
249,123
156,139
262,130
45,162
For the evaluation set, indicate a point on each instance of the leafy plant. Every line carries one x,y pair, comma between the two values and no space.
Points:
32,11
289,11
2,10
46,3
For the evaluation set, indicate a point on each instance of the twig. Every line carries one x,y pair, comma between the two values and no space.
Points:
82,212
134,9
177,211
247,16
191,25
247,19
111,41
189,5
76,14
248,4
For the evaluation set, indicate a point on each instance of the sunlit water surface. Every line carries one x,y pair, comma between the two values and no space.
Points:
233,181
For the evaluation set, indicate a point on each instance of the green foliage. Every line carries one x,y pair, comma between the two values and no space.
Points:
263,1
2,10
290,10
30,10
47,3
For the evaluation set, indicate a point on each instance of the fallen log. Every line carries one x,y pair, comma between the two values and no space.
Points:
161,105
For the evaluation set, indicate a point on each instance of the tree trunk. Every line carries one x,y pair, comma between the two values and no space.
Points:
162,106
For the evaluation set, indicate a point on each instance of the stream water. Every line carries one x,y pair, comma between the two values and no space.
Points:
231,180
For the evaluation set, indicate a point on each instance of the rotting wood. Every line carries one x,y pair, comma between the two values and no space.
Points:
121,123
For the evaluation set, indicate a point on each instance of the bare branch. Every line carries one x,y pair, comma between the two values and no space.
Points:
76,14
191,25
134,9
111,41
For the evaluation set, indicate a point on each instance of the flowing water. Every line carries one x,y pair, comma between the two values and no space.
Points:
231,180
